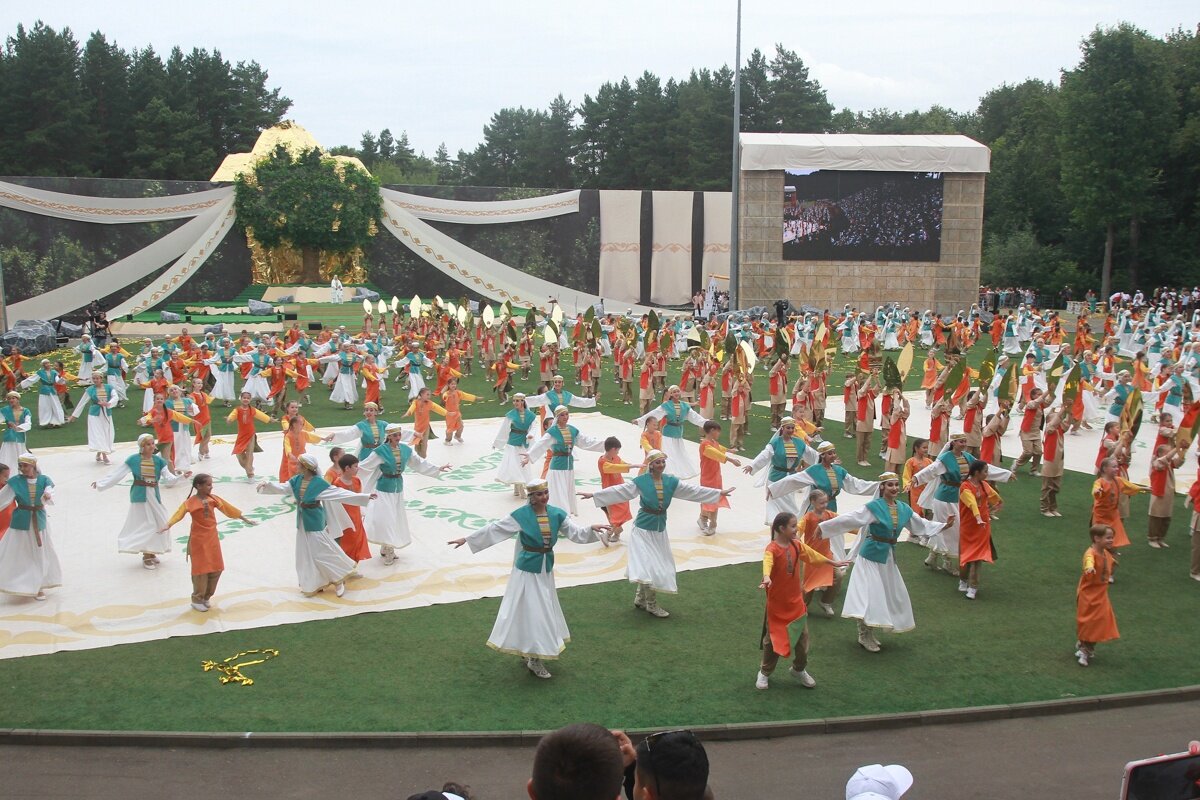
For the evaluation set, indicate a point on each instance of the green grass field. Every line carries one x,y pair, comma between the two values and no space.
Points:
428,669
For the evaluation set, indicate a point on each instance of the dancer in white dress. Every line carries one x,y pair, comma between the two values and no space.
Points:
50,409
99,399
17,421
142,531
785,454
530,622
222,362
673,412
558,396
91,360
320,561
512,438
345,390
876,595
561,439
651,565
115,369
385,521
28,563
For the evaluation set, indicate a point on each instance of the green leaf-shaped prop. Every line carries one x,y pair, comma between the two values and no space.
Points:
987,371
1054,374
1074,381
1131,415
954,378
652,322
590,314
891,374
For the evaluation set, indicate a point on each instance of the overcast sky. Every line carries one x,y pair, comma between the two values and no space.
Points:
438,70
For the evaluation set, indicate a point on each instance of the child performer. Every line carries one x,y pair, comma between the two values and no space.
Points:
612,470
453,397
712,456
786,615
820,576
246,444
1094,618
1106,494
203,544
354,536
976,501
920,460
202,400
1162,493
419,410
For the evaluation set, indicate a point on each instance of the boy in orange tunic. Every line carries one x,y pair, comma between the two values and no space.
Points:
419,410
786,614
820,576
1094,618
246,444
712,456
204,544
920,460
453,398
612,471
354,536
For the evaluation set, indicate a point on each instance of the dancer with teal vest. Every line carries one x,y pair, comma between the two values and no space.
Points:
15,423
876,595
320,561
651,565
142,531
512,439
785,454
386,521
370,432
50,409
561,439
28,563
530,622
99,399
672,414
558,396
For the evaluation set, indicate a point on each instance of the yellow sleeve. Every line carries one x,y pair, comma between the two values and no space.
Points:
1089,560
992,495
907,474
260,416
287,445
810,555
1097,488
614,467
411,408
455,373
768,562
646,444
232,416
179,514
806,426
967,498
144,420
470,398
714,453
227,509
1126,487
312,438
437,408
177,417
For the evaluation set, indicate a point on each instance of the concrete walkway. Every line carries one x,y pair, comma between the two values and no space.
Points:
1069,755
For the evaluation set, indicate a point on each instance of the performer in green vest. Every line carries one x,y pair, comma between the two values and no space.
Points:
830,477
50,409
671,415
99,399
512,439
558,396
28,563
142,532
651,565
876,595
785,454
386,521
562,438
15,423
530,622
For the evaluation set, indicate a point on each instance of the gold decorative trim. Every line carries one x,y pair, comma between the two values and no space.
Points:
672,247
417,208
109,212
195,261
717,248
621,247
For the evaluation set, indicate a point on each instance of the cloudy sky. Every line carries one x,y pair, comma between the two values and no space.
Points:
438,70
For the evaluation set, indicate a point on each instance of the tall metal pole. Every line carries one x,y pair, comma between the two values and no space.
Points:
3,303
734,272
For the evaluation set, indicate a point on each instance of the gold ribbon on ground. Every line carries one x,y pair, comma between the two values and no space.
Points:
232,673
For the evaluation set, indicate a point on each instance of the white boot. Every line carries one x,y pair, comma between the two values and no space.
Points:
652,605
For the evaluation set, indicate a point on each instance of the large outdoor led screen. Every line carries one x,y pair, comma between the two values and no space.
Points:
832,215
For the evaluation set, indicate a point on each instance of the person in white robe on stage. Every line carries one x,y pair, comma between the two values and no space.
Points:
50,408
784,454
99,399
876,595
410,364
182,453
561,439
345,389
681,454
115,369
91,360
512,439
558,396
223,370
17,422
530,622
142,531
28,562
336,291
386,521
651,564
320,561
256,380
830,477
369,432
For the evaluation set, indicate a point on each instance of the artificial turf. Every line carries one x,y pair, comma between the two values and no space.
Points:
428,669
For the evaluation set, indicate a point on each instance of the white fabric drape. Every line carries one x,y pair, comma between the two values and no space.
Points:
130,269
485,212
718,219
182,270
110,210
621,245
855,151
481,274
671,262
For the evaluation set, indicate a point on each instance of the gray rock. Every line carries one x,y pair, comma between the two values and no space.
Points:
287,298
68,329
260,309
31,336
169,316
361,294
218,328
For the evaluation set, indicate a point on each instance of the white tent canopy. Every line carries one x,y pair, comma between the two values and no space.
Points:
874,153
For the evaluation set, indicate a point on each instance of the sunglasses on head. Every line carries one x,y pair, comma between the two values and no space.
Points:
658,737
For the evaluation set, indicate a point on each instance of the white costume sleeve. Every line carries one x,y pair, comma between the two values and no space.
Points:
113,476
657,413
422,466
340,495
792,483
502,434
998,474
371,462
273,487
845,523
696,493
858,486
580,534
347,434
620,493
493,533
6,495
539,446
81,405
536,401
761,460
934,470
695,418
593,443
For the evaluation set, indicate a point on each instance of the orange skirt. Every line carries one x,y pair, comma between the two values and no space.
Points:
204,551
1094,618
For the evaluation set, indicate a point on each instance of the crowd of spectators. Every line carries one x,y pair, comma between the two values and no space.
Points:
994,298
588,762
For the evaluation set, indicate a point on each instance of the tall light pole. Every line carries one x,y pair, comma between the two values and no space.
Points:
737,164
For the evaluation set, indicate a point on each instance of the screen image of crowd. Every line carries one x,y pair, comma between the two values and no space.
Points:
862,216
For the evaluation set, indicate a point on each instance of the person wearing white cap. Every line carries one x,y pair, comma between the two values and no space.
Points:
558,396
115,368
386,521
877,782
512,439
256,379
876,595
17,422
345,389
142,531
786,454
99,400
530,622
673,413
319,560
370,432
90,358
651,565
223,371
50,409
561,439
28,563
410,364
828,475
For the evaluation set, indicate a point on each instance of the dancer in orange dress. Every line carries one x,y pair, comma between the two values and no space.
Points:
786,615
298,434
976,502
712,456
419,410
1094,618
1106,495
612,473
204,544
920,460
354,536
246,444
929,377
651,437
822,577
453,397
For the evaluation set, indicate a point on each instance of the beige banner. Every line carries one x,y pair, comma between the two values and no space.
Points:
671,263
621,245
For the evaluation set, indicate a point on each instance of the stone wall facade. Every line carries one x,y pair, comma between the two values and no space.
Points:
948,285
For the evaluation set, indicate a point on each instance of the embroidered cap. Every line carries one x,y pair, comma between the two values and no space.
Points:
27,458
826,447
537,486
309,462
884,477
518,396
393,427
958,437
145,437
787,421
561,410
655,455
370,406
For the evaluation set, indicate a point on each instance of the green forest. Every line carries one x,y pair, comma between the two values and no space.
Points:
1098,172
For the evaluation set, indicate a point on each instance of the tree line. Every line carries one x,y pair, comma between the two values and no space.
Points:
1095,177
